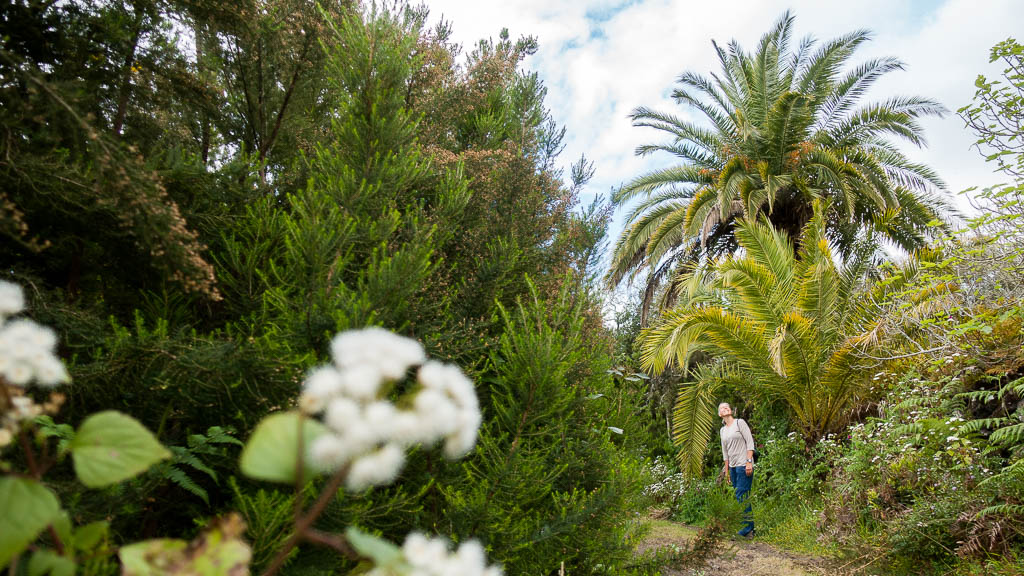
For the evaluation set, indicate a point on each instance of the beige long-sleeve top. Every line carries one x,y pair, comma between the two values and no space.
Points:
736,440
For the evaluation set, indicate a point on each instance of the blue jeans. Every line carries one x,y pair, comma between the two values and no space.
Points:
741,484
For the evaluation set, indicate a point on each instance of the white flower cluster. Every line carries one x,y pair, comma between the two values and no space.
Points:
26,348
22,408
668,485
430,557
370,434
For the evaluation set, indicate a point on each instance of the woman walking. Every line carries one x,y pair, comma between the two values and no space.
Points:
738,456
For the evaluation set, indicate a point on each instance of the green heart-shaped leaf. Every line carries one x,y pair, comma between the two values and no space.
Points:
111,447
26,508
272,451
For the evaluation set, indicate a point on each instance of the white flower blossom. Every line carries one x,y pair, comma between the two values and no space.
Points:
321,385
330,452
12,301
19,373
361,381
430,557
423,552
436,411
389,353
50,371
380,467
379,418
407,429
369,434
463,439
27,350
342,415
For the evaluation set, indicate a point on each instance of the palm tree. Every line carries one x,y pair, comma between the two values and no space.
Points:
783,325
782,130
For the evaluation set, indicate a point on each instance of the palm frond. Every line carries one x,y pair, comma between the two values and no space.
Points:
852,87
770,248
693,418
657,179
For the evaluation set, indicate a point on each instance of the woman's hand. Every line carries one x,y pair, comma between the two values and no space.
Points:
750,468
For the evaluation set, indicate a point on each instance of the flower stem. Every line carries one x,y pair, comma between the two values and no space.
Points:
304,525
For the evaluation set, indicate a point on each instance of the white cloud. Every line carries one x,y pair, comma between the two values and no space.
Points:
627,54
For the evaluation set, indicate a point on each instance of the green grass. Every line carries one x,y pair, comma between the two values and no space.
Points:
667,530
793,528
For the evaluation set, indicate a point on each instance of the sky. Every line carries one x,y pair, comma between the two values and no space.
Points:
600,59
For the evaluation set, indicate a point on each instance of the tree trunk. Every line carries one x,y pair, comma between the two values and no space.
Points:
126,75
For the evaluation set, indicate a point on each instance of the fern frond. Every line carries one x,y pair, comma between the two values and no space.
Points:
1014,510
909,429
972,426
179,477
1008,435
223,435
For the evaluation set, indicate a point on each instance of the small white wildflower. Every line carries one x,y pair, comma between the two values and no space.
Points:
27,350
408,428
449,379
24,408
50,371
360,439
379,417
322,384
437,412
432,374
430,557
18,339
464,393
461,442
469,559
342,415
389,353
415,548
423,552
329,452
43,338
12,300
361,381
18,373
380,467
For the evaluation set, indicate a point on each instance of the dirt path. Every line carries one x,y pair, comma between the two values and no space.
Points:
734,557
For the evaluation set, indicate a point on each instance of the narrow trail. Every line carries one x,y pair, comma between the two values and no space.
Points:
734,557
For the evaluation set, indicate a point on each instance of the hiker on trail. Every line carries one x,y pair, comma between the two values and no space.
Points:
738,456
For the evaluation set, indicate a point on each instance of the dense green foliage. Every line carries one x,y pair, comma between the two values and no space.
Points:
920,471
784,327
212,191
198,196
